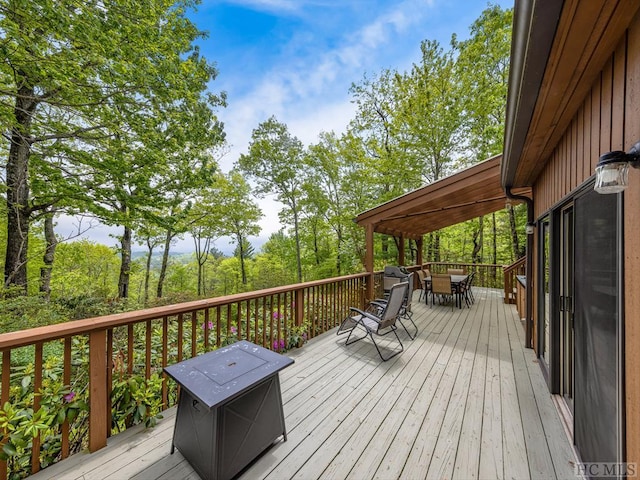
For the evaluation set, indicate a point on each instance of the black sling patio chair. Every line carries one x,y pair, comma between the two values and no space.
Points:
377,325
406,315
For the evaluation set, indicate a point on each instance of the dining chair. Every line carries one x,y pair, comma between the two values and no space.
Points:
455,271
421,280
441,285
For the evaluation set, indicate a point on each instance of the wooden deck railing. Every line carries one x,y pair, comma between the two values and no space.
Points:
487,275
510,273
109,348
94,355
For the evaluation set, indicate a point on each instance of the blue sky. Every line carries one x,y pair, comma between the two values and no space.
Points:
296,59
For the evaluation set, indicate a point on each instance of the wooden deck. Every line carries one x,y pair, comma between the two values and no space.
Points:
464,400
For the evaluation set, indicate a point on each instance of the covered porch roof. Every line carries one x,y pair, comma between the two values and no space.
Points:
467,194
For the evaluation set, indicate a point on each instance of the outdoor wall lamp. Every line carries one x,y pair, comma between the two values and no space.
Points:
528,229
612,171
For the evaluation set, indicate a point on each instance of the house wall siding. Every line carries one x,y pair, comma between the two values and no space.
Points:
608,119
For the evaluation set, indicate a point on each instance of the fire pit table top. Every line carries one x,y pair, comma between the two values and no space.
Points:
216,377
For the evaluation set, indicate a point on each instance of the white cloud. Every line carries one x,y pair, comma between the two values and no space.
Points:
310,94
300,89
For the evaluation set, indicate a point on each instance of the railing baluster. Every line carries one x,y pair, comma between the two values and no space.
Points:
206,329
248,319
147,352
130,339
165,353
180,336
256,320
66,380
218,327
109,377
4,396
279,320
37,393
194,333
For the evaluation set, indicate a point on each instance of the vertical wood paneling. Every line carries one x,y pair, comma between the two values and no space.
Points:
596,95
618,94
564,177
605,107
577,171
632,249
586,137
573,154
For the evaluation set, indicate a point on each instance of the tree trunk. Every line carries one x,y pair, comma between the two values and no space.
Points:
49,254
476,256
147,272
125,264
436,247
297,234
17,177
202,254
494,248
339,249
515,244
165,262
241,250
316,248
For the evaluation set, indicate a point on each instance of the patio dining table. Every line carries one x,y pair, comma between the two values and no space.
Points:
456,281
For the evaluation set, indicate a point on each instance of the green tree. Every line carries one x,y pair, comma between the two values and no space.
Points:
430,112
77,74
486,54
240,214
483,68
205,228
276,162
329,188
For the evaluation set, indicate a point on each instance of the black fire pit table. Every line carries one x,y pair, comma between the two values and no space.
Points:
230,407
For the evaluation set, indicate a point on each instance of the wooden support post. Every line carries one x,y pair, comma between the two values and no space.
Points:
401,256
419,259
98,402
368,261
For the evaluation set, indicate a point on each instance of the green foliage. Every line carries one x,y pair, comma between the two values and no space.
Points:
136,400
84,269
58,404
20,312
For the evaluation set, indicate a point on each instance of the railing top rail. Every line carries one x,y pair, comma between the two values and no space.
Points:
516,264
490,265
35,335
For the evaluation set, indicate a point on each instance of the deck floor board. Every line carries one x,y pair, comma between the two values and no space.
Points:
464,400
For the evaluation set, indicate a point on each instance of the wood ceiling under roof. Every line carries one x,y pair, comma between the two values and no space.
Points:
467,194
